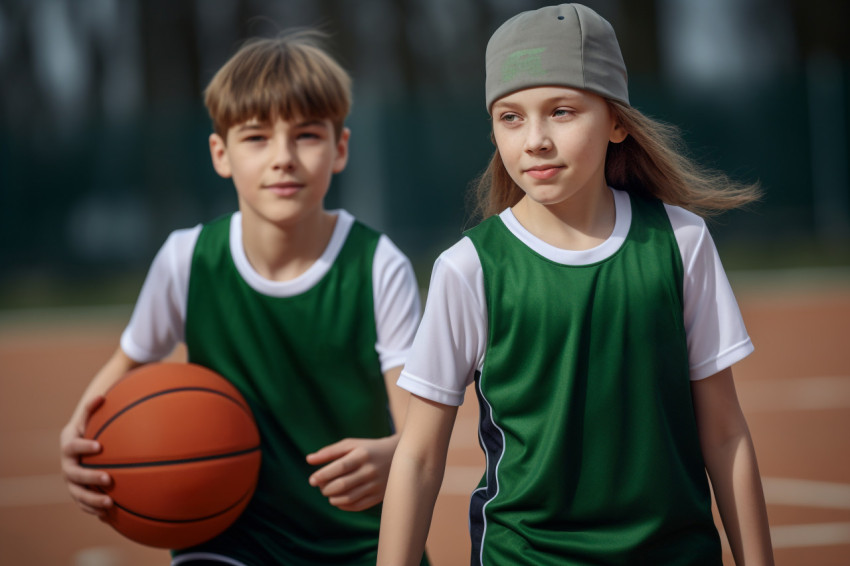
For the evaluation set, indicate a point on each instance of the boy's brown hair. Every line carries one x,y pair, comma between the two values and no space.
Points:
288,77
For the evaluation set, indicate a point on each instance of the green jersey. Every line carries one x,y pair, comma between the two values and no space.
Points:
586,419
586,408
306,361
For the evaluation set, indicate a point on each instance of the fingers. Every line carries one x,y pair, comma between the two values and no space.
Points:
77,447
355,475
338,469
330,452
77,475
359,499
355,491
84,484
86,489
350,481
71,452
91,501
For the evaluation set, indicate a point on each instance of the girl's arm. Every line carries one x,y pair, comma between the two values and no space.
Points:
415,479
730,459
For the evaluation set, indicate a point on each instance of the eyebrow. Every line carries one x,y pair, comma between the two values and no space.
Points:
249,126
311,123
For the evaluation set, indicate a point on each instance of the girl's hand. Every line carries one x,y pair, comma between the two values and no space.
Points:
356,473
82,482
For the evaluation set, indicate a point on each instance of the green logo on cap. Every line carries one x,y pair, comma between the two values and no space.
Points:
523,62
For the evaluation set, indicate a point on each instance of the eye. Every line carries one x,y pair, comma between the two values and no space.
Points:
311,132
562,112
509,118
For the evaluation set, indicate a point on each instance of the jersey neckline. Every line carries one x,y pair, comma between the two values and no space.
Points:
303,282
622,223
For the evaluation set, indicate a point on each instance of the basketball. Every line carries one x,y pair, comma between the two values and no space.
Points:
183,451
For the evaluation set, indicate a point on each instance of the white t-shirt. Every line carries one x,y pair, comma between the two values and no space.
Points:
450,345
158,320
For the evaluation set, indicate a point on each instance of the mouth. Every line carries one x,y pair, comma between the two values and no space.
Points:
284,189
543,172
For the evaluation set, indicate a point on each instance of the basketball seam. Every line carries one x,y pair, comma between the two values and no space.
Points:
196,519
165,392
171,462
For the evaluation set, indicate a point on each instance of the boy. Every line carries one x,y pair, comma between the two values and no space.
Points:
308,312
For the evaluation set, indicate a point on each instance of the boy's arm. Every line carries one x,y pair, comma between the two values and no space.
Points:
415,479
356,469
730,460
72,444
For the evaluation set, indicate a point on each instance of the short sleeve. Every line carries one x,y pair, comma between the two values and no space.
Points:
716,335
158,321
397,303
451,340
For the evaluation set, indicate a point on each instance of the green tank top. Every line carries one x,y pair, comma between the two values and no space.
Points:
587,422
307,365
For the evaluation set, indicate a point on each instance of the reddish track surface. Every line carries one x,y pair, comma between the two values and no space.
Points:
795,390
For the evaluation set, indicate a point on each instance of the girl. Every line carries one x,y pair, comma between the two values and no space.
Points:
592,313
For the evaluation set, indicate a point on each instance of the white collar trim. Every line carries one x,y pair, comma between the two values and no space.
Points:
606,249
303,282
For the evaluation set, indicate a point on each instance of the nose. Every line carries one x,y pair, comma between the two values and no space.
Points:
537,139
283,154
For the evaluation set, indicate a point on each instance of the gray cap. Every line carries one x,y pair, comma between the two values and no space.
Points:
567,45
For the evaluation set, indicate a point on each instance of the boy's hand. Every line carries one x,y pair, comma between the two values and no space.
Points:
356,473
81,481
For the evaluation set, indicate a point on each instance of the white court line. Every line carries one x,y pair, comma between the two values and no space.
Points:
99,556
806,493
803,536
816,534
461,480
795,394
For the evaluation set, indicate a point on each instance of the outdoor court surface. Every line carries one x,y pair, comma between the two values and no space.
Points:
795,391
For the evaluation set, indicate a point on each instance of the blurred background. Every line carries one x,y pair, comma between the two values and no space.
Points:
103,134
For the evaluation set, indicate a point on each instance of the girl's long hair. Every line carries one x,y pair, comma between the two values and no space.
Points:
651,161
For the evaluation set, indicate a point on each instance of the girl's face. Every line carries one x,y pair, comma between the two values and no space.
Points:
553,141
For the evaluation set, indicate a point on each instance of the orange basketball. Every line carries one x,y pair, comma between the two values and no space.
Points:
183,451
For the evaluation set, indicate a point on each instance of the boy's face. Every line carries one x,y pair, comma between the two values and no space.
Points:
281,170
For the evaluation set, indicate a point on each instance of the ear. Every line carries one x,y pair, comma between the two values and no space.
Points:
341,159
618,133
220,158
